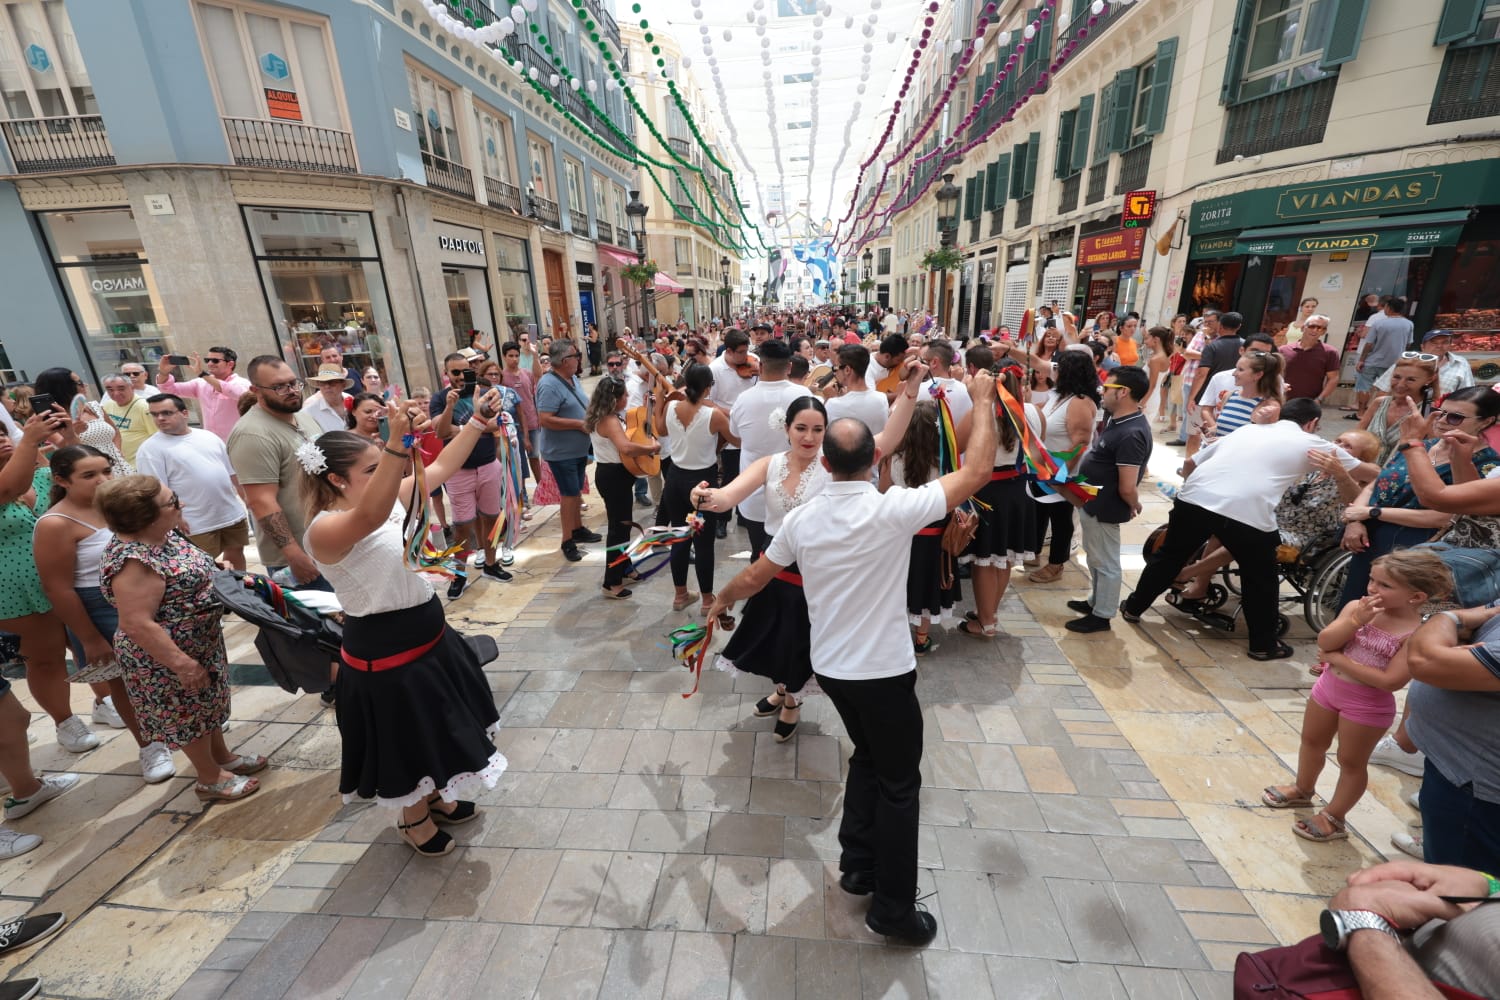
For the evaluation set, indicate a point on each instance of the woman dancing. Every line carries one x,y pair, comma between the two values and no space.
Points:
414,711
774,638
605,422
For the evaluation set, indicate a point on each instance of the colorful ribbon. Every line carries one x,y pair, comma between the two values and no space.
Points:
418,551
651,551
508,454
1049,469
689,647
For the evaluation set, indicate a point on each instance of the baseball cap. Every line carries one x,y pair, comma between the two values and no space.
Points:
1435,333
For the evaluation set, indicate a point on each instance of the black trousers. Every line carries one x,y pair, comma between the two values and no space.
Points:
614,483
879,830
676,505
1188,527
759,538
729,467
1060,517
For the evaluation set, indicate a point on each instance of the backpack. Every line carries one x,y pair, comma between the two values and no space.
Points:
1306,971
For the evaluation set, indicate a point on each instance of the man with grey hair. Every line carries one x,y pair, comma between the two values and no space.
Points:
128,413
561,405
1312,366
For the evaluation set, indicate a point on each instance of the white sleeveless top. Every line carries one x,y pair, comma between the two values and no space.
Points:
1055,423
692,446
373,577
604,448
778,502
90,551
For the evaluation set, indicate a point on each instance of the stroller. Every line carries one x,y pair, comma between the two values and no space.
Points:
295,642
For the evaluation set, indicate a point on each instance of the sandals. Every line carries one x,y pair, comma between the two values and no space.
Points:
246,764
1308,829
972,628
435,846
766,706
618,595
228,790
784,730
1280,652
678,603
463,811
1273,797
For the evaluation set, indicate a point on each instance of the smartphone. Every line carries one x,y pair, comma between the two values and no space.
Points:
470,377
42,402
179,359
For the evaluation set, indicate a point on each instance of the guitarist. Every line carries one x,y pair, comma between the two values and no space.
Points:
885,363
636,381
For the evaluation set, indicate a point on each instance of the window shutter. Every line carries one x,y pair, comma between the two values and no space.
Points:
1002,180
992,197
1063,165
1123,110
1033,154
968,199
1018,170
1161,86
1039,49
1081,124
1459,20
1239,41
1345,27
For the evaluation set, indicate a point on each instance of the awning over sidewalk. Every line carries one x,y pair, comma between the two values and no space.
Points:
1396,232
664,283
620,258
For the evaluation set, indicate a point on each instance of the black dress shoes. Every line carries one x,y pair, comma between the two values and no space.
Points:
917,928
857,883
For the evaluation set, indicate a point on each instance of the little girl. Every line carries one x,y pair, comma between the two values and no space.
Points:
1354,698
930,593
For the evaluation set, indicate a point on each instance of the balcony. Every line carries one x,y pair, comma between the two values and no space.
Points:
1135,165
1109,16
1071,186
1098,175
1283,120
623,237
579,221
255,142
681,147
1023,211
545,211
43,144
445,175
1469,85
502,195
683,211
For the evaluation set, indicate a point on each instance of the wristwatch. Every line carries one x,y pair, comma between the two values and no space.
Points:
1338,925
1376,512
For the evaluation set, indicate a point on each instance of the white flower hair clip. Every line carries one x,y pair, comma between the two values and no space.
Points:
778,419
311,458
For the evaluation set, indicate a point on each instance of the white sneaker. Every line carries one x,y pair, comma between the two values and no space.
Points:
14,843
105,714
1389,753
1408,843
53,785
1415,800
156,763
74,736
507,555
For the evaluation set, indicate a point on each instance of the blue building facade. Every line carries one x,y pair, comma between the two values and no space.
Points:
278,177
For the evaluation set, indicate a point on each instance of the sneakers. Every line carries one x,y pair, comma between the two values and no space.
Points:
74,736
917,928
14,843
1408,843
585,535
494,572
570,551
106,715
1389,753
642,501
458,586
20,989
156,763
1415,800
507,556
53,785
23,931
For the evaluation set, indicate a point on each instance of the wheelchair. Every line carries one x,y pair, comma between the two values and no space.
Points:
1315,573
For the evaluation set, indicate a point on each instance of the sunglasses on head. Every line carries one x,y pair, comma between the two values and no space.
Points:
1417,356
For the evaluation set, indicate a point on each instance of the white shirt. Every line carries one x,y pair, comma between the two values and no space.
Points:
957,395
147,393
1220,387
1243,475
728,384
867,406
196,467
325,416
854,578
750,421
9,423
635,386
889,322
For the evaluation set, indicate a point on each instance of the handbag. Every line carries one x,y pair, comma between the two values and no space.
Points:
1307,970
959,532
1177,364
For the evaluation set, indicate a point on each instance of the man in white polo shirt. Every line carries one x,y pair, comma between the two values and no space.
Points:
729,384
855,581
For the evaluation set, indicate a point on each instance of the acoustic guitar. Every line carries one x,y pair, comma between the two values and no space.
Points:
638,424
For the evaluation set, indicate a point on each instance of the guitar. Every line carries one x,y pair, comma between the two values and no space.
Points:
638,423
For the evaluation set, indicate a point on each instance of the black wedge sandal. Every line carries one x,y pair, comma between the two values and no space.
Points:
435,846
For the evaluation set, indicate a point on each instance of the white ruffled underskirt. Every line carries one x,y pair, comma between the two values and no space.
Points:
727,666
944,617
1011,560
461,786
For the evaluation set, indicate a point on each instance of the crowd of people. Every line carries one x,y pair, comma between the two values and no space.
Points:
874,465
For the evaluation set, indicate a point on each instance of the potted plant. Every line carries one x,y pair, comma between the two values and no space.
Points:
866,285
943,259
641,274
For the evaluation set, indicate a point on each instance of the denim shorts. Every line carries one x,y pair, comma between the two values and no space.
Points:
104,616
569,473
1365,380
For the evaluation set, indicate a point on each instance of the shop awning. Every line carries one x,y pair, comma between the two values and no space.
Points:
1396,232
619,258
665,284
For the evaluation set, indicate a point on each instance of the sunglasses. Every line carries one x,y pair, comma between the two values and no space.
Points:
1417,356
173,502
1114,385
1451,418
615,364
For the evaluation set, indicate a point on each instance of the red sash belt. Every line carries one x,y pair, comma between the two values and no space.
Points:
929,531
1000,474
391,662
795,579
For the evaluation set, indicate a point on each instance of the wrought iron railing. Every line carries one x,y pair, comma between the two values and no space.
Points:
1081,21
255,142
997,221
1071,187
623,237
502,195
445,175
1098,175
1283,120
546,211
579,221
69,143
1135,165
681,147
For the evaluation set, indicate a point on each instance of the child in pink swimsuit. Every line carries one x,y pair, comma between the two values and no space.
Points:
1354,698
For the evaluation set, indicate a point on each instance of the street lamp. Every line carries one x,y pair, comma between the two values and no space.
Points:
947,197
868,257
799,291
752,294
724,271
636,210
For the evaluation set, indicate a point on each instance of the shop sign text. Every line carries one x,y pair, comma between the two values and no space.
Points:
133,283
1400,193
1123,247
1326,244
457,244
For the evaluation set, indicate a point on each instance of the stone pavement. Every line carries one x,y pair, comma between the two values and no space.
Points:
1089,827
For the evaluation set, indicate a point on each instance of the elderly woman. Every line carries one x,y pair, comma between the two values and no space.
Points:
170,641
1414,379
1387,513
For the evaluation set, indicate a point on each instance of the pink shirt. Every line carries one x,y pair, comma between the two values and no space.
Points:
220,406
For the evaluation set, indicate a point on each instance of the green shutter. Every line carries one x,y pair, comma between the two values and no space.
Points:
1002,180
1123,110
1459,20
1345,27
992,197
1018,170
968,199
1039,49
1062,166
1161,86
1239,43
1033,154
1081,125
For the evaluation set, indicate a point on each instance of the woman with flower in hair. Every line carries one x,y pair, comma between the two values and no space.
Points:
414,711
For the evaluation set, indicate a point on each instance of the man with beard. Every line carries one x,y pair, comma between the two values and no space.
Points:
263,449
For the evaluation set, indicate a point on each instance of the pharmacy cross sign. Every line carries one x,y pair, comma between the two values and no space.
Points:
1140,206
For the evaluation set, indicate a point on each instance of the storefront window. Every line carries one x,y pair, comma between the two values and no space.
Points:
102,266
1285,293
517,294
322,277
1210,285
1470,306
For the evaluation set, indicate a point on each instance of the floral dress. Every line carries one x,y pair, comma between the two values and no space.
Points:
191,616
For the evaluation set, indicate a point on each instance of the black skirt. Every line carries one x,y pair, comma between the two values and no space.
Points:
1007,530
420,727
925,593
774,637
